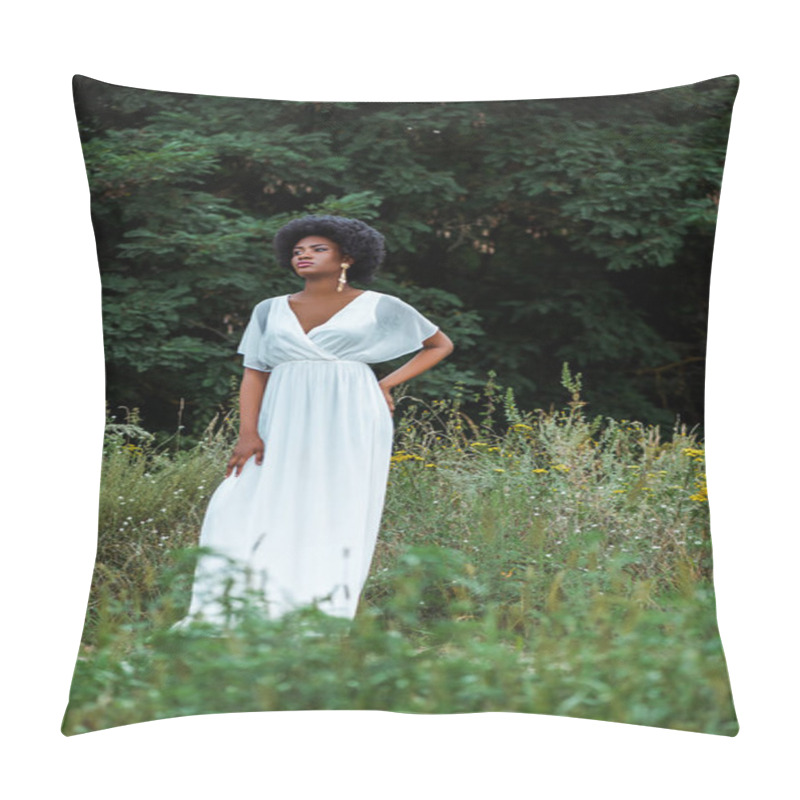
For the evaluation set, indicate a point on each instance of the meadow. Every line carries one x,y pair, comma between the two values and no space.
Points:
542,561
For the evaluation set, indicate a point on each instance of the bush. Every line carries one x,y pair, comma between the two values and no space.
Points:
540,561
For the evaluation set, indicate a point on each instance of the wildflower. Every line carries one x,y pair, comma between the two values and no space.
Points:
539,470
561,467
499,470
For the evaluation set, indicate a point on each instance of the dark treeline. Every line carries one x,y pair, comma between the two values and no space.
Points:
533,232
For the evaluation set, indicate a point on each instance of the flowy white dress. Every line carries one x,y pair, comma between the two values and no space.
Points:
300,528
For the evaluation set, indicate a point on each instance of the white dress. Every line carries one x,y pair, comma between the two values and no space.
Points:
301,528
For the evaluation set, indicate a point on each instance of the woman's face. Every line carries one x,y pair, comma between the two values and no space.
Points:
318,257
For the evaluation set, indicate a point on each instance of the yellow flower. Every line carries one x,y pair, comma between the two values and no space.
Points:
499,470
401,455
561,467
701,495
540,470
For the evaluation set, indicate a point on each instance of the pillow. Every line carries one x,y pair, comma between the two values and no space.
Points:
517,520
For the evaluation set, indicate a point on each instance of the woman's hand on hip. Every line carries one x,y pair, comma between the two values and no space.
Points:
248,446
388,396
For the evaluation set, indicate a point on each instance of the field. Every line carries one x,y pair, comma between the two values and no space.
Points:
544,562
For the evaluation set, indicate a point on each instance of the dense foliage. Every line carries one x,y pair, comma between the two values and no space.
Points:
561,567
532,232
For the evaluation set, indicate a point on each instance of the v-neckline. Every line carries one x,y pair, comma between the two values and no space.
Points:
322,324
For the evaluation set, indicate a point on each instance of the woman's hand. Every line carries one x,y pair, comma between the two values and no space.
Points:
387,394
248,445
434,349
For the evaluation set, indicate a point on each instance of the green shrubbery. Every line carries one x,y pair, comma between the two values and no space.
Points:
538,561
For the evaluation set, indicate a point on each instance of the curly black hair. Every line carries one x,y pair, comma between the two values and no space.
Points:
355,239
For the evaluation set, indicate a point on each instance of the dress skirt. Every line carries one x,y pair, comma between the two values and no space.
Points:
300,528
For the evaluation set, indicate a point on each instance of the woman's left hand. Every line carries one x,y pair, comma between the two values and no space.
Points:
387,394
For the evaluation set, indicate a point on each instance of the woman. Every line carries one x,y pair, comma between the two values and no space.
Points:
301,502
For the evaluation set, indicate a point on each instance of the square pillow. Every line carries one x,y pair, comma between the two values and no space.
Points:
291,518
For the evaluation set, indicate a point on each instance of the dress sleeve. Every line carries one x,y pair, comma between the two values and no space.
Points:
252,344
401,329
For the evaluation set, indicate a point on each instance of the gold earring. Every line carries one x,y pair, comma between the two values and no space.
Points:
342,277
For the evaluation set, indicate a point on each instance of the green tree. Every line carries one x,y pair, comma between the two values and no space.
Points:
533,232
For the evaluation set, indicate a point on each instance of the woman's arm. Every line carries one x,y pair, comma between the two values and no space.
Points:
435,348
251,393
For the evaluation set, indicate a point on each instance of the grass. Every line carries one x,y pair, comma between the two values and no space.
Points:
541,562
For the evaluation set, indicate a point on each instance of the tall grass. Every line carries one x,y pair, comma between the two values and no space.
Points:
540,561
